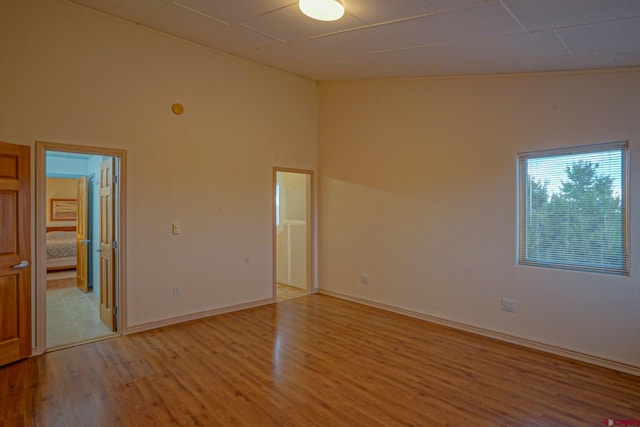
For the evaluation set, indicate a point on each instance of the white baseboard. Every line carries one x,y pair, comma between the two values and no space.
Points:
194,316
571,354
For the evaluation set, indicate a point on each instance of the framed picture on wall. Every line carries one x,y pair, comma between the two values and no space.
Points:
64,209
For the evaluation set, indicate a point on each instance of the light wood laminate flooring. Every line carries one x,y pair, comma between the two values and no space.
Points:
310,361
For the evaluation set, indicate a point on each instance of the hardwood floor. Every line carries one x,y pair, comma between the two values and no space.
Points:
314,360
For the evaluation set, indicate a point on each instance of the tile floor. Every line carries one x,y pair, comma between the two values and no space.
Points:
72,317
285,292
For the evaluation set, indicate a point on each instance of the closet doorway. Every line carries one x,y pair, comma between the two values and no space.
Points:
293,232
79,227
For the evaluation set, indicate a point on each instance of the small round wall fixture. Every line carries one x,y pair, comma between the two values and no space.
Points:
177,109
322,10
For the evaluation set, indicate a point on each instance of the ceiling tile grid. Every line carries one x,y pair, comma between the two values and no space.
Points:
481,20
134,11
291,24
342,44
609,60
537,15
182,22
622,35
402,38
237,38
381,11
240,11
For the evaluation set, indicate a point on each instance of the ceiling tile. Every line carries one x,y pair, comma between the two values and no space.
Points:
341,44
184,23
377,11
291,24
483,20
499,49
519,65
614,36
277,54
373,66
381,65
285,58
237,38
402,63
521,53
549,14
604,60
233,11
134,11
403,38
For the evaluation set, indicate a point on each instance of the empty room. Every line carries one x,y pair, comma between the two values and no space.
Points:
463,248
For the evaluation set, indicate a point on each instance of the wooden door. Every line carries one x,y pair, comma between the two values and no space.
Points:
107,250
15,253
82,243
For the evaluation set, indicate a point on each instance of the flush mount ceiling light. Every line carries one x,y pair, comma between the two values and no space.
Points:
322,10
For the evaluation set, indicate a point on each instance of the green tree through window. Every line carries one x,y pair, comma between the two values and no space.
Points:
573,209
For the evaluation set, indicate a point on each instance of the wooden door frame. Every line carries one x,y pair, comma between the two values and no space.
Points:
311,229
39,309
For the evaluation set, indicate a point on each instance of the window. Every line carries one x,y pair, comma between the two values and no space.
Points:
573,208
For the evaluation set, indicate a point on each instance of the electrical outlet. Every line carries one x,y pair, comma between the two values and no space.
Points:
509,305
177,291
364,279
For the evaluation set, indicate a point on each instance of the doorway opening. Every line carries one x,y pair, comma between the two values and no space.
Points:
79,224
293,232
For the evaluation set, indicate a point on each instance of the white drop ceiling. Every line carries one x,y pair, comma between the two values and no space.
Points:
402,38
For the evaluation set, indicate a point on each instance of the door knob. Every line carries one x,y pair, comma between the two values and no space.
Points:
21,264
85,241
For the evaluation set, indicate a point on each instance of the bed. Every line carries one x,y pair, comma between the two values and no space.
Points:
61,248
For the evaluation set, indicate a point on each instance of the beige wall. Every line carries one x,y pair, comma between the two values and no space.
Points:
77,77
418,190
60,188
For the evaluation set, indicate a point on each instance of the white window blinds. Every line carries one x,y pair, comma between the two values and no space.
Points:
573,208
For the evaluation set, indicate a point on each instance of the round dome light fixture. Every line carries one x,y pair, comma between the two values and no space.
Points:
322,10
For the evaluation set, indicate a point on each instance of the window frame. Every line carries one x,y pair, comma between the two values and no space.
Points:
521,219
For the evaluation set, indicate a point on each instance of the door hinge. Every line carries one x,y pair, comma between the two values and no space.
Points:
115,244
115,179
115,310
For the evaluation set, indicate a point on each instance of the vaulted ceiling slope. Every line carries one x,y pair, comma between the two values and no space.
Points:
402,38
